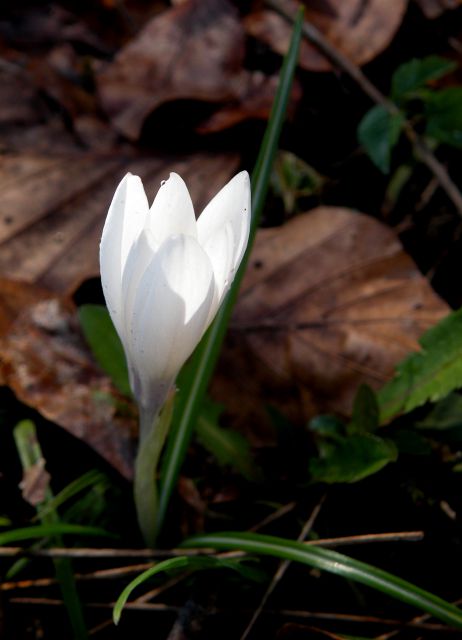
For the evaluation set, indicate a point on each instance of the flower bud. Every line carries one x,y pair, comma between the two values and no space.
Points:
164,274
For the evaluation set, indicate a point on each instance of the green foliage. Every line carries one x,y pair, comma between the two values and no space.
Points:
414,75
49,530
105,344
88,480
186,563
229,447
32,460
446,414
365,415
204,359
378,132
350,458
292,178
351,453
441,110
428,375
336,563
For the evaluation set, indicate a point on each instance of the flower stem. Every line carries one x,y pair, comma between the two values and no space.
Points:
154,428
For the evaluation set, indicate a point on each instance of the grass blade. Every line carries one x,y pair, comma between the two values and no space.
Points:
31,456
45,531
206,355
167,565
333,562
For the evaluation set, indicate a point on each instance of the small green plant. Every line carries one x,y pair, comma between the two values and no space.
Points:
435,112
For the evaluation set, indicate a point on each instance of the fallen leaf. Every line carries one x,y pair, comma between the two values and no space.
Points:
434,8
193,51
255,100
47,24
330,301
45,361
53,207
359,29
19,104
15,297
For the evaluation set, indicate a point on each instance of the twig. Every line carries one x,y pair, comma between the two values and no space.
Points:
282,568
416,621
53,602
85,552
286,613
279,513
399,536
421,149
103,574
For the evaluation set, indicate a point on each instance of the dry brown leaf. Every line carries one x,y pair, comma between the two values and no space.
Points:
359,29
53,207
45,361
190,51
330,301
434,8
15,297
255,101
193,51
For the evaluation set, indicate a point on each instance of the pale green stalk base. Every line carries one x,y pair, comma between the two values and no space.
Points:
153,432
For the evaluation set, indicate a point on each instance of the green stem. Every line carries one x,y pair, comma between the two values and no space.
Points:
206,355
30,454
153,432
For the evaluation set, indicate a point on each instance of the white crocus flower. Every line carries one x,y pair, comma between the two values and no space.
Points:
164,274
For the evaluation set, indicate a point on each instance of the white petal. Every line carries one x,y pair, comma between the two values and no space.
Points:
172,212
220,249
230,205
169,313
125,219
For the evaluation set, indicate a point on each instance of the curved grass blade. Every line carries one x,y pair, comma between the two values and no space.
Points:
203,361
31,456
87,480
45,531
182,562
333,562
166,565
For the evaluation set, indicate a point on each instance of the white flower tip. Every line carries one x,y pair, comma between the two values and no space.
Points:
174,180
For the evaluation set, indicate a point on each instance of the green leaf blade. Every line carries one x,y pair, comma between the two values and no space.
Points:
429,374
378,133
45,531
352,459
203,360
415,74
166,565
105,344
229,447
336,563
443,110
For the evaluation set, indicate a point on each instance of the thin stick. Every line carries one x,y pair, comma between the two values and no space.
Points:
417,620
401,536
85,552
282,568
417,623
338,59
102,574
286,613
